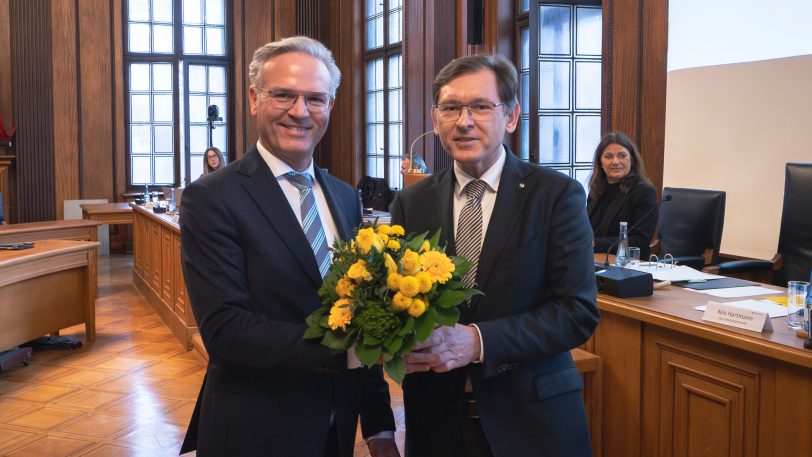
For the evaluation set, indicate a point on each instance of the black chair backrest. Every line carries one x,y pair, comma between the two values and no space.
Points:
795,239
691,222
375,193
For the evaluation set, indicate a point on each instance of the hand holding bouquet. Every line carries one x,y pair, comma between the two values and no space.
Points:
385,292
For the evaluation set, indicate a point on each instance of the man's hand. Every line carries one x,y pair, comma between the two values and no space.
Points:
383,447
446,349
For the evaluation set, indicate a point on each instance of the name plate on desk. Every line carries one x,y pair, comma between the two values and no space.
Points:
721,313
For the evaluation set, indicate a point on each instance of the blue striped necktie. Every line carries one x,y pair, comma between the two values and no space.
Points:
311,223
469,228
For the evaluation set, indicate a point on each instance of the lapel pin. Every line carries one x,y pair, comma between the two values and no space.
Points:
521,185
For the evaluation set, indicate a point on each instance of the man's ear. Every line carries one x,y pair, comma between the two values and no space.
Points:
434,121
252,100
513,118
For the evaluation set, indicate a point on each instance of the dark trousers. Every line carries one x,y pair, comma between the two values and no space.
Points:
474,443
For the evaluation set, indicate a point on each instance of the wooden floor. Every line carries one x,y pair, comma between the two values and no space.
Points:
131,393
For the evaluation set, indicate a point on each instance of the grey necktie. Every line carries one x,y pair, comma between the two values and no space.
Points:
469,228
311,223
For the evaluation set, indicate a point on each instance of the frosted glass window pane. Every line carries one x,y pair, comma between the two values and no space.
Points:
375,75
139,108
138,37
198,138
198,109
141,169
164,169
372,114
525,44
162,10
192,12
564,171
395,142
554,139
394,4
163,38
217,80
139,77
215,41
394,178
588,31
524,144
197,78
375,33
375,167
371,141
214,12
374,7
554,37
554,85
163,138
394,27
140,139
525,6
582,176
219,137
138,10
588,85
395,71
162,76
222,105
394,105
195,166
192,40
525,94
162,107
587,136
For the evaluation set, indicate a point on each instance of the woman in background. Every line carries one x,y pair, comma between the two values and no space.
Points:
212,160
620,191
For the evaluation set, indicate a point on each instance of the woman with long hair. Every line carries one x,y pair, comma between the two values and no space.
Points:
212,160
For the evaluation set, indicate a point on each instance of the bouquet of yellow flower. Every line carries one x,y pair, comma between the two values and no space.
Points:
385,292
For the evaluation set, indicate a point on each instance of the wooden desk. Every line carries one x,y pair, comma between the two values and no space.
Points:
676,385
77,229
108,213
47,288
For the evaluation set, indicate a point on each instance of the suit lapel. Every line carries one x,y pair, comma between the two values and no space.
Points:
510,198
337,209
264,190
445,198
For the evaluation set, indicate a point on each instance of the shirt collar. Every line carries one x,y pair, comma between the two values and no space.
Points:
491,176
278,167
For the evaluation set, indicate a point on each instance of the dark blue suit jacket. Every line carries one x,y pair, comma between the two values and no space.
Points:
536,271
252,279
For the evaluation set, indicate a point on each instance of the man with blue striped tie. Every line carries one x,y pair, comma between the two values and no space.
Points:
255,240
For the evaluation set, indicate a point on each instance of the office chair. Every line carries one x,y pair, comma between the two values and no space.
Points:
793,262
691,226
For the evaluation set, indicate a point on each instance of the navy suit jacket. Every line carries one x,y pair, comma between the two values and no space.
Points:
536,272
252,279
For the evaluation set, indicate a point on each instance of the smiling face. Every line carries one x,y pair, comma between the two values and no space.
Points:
473,144
291,134
616,162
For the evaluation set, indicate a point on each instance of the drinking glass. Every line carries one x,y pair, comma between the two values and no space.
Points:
634,256
796,294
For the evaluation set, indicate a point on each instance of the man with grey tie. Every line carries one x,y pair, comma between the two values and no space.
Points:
254,244
502,381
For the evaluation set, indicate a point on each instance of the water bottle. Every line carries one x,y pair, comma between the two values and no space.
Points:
622,258
170,205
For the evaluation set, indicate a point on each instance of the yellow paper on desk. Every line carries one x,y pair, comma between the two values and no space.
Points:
780,299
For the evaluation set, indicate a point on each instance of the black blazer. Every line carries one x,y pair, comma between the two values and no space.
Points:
536,270
637,206
252,280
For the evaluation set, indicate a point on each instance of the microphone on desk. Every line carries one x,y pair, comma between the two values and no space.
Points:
667,198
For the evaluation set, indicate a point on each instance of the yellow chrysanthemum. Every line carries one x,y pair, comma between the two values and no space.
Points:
417,308
410,262
340,315
393,281
393,245
367,239
437,265
425,246
345,287
425,281
358,272
383,229
409,286
389,262
401,302
396,230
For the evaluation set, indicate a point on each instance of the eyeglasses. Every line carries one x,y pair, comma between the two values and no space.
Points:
479,111
316,102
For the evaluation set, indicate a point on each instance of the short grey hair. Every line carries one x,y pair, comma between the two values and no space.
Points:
507,79
294,44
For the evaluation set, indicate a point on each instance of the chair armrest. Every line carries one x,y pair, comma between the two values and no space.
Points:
746,266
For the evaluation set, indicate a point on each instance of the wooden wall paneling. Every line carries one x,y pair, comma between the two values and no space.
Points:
286,16
258,29
793,398
239,78
417,51
119,147
444,39
32,72
6,100
623,61
66,106
654,77
96,101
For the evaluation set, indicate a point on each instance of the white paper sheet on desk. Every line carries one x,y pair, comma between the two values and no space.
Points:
662,272
765,306
736,292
